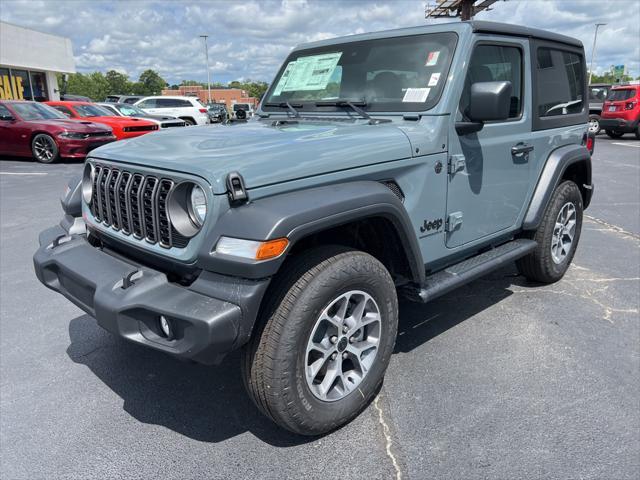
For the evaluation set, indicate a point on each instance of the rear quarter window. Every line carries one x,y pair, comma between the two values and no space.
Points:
560,92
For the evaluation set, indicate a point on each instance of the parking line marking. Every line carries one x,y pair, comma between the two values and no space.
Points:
626,144
23,173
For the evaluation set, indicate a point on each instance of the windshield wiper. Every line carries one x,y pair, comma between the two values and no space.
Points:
286,105
354,105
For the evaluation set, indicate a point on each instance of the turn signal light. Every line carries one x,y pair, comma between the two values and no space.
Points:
271,249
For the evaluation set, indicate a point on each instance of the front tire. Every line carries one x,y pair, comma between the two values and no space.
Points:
557,236
324,341
44,148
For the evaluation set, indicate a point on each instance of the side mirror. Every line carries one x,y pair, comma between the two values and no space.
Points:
488,101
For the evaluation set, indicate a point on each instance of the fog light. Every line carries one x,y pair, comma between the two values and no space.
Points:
165,327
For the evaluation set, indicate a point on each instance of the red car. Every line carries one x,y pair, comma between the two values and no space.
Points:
33,129
123,127
621,111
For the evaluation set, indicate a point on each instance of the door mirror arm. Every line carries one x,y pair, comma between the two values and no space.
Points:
465,128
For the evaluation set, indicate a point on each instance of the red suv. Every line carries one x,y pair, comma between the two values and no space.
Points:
621,111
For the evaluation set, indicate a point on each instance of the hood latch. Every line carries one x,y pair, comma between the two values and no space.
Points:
236,190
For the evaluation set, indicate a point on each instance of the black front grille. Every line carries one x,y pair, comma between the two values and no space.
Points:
98,134
141,128
135,204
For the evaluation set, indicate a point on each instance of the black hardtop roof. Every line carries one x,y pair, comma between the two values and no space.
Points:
480,26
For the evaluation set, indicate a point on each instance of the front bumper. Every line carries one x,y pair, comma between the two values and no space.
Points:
79,148
618,124
211,317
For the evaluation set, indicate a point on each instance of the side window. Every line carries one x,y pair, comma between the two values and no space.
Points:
184,104
559,82
4,112
495,63
64,110
148,103
166,103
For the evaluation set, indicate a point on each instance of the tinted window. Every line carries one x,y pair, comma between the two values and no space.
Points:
131,100
598,94
171,103
35,111
92,111
622,94
64,110
495,63
4,112
560,82
148,103
183,103
389,74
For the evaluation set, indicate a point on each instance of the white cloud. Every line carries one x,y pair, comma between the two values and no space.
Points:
250,39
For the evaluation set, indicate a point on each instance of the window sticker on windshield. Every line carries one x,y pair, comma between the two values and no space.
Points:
432,58
435,78
283,79
416,95
310,73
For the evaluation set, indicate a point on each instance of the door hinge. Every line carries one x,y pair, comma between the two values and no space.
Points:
456,164
454,220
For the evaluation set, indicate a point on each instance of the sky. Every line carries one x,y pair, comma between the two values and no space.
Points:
250,39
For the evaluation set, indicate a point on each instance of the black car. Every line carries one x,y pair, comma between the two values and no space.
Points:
127,110
217,112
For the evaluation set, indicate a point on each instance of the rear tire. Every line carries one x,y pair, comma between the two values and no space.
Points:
280,360
637,132
44,148
614,134
189,122
556,245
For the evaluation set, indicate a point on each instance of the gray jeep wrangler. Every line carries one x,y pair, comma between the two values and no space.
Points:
403,162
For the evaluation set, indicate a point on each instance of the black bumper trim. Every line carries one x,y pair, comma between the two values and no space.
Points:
205,327
618,124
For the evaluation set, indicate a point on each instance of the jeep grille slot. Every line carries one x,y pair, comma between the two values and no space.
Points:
135,205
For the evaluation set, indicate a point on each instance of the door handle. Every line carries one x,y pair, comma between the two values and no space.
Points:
521,149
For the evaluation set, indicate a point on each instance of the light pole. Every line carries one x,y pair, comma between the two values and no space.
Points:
593,50
206,54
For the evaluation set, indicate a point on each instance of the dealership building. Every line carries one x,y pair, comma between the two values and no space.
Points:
29,61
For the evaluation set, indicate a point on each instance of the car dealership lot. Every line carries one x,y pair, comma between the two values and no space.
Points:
501,379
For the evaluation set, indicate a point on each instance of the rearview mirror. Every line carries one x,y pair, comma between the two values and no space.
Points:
488,101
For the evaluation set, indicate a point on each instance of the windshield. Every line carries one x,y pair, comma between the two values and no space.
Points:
36,111
388,74
130,111
92,111
621,94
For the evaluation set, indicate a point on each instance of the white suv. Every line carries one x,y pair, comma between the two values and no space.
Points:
188,109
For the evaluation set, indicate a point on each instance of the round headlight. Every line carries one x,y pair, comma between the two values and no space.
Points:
87,183
198,205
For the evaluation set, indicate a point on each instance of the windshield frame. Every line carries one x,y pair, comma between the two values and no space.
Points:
309,106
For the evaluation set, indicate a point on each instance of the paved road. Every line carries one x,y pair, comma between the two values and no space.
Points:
501,379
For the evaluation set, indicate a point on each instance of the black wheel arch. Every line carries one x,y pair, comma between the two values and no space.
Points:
365,214
570,162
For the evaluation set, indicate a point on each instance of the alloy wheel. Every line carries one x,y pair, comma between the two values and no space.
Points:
44,149
343,345
564,231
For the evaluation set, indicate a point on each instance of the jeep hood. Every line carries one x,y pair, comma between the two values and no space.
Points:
262,152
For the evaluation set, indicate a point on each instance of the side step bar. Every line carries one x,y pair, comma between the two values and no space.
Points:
472,268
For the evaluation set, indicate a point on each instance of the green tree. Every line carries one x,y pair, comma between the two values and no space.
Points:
151,83
118,83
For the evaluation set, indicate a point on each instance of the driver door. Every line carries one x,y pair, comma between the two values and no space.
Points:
488,184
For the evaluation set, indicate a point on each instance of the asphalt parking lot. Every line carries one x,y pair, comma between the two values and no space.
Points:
501,379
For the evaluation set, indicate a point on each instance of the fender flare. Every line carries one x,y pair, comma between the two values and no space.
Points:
555,167
296,215
71,200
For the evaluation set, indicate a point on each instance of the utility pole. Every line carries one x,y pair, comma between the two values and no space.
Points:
206,54
593,50
466,9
